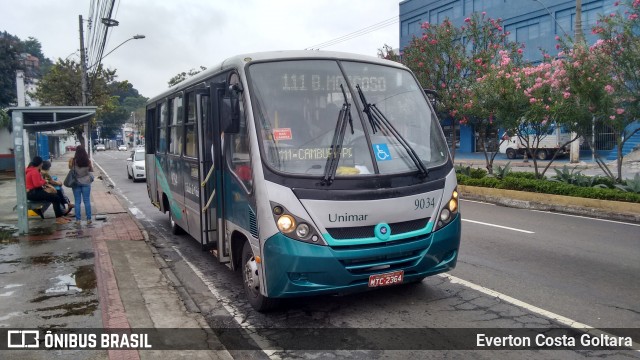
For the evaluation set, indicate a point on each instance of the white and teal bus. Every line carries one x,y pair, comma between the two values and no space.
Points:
311,172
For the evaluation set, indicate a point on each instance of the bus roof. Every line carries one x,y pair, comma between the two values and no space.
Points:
239,61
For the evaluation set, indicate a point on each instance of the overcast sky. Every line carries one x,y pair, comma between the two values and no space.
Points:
184,34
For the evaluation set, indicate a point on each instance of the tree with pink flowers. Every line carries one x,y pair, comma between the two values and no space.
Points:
619,44
449,59
487,48
437,59
528,100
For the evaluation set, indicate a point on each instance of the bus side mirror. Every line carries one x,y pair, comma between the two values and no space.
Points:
231,116
230,122
432,95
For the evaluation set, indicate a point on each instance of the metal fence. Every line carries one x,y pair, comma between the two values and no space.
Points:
604,139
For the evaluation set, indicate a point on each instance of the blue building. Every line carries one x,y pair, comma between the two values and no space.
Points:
534,23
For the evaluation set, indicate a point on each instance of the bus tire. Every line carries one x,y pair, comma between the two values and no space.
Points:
251,282
511,154
175,228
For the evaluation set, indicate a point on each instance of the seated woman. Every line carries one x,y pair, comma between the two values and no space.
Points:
53,181
36,184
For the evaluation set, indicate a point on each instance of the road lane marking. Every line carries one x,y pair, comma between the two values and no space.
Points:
532,308
499,226
235,312
478,202
587,217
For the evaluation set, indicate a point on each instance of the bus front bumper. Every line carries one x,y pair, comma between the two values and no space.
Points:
295,268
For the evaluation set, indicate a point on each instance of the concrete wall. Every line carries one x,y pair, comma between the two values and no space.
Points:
6,156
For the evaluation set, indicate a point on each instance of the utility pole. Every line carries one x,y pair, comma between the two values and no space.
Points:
579,41
83,66
22,103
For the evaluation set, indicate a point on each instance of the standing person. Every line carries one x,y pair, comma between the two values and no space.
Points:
82,191
35,185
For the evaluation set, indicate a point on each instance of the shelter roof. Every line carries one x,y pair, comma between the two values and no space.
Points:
51,118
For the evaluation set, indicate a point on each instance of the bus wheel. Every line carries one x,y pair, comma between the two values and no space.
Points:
251,281
511,154
175,228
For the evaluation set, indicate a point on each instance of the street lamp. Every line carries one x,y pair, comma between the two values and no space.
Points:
135,37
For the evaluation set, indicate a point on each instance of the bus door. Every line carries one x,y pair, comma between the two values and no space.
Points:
208,219
150,155
211,225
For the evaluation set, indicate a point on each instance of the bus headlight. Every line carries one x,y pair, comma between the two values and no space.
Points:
295,227
286,223
445,215
303,231
448,212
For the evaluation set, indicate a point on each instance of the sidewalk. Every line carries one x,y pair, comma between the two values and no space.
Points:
102,276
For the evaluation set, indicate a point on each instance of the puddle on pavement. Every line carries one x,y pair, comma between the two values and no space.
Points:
71,309
49,258
46,297
41,231
7,234
82,280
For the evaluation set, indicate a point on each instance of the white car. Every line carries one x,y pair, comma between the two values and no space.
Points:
100,147
122,148
135,165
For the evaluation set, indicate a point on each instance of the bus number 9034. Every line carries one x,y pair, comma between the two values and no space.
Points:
424,203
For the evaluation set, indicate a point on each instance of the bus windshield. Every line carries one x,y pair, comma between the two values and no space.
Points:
297,105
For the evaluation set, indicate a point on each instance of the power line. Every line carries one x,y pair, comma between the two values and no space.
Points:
357,33
368,29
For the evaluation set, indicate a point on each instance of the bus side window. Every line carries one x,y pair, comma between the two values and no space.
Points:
190,128
238,154
175,135
162,128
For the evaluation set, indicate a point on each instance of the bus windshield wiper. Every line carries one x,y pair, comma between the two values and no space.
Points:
344,115
379,121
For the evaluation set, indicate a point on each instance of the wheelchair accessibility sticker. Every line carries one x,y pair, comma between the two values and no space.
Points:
382,152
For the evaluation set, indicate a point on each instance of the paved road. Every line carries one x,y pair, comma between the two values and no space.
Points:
582,268
569,269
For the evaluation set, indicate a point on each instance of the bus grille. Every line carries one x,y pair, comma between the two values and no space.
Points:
359,232
253,224
397,257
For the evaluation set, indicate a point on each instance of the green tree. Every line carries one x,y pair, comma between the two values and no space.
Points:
62,87
437,59
451,59
10,49
387,52
184,75
32,46
620,43
487,47
129,101
123,90
111,122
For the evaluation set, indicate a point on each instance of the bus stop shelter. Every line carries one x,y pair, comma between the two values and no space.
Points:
37,119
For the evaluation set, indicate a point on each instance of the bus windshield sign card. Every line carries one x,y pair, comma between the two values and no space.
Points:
386,279
282,134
